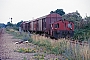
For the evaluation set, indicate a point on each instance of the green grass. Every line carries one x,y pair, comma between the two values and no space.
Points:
24,58
26,50
39,56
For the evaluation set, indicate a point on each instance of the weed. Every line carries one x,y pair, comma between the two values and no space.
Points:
23,50
24,58
39,56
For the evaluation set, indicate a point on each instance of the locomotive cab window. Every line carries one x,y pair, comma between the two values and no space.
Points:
70,25
57,25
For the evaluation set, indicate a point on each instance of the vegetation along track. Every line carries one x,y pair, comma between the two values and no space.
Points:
41,48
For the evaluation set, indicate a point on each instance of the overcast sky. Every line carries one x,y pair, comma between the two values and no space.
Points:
28,9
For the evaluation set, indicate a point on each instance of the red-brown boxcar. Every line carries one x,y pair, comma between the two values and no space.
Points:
51,18
40,24
25,26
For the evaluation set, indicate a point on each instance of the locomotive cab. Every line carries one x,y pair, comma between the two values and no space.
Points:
63,29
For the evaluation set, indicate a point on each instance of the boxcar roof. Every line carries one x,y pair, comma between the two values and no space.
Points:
46,16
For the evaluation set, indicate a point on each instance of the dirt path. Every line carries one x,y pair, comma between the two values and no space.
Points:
8,46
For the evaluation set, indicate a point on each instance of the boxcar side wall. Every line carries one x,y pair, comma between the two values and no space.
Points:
44,24
40,24
51,18
34,25
24,26
31,25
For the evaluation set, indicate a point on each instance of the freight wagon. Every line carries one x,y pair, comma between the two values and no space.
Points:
25,26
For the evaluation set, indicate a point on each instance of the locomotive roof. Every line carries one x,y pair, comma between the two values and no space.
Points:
62,20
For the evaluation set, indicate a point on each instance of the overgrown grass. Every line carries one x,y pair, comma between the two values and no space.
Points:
49,45
18,35
71,51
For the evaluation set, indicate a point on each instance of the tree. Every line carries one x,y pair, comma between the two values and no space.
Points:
87,18
2,25
58,11
75,17
18,24
9,24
